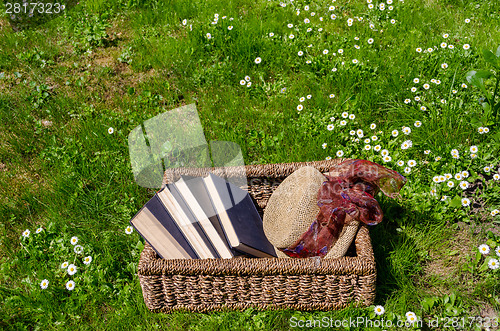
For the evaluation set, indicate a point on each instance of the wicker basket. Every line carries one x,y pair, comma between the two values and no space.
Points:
263,283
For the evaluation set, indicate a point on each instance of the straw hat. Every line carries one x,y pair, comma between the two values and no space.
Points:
292,208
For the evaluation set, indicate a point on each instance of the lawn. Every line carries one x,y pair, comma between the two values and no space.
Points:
412,85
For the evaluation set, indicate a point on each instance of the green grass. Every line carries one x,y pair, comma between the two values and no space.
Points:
63,84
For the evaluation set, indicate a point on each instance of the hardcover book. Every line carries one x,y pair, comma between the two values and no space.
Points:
240,220
157,227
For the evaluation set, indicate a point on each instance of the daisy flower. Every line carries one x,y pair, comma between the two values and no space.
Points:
445,35
308,61
442,179
78,249
355,61
324,145
393,21
450,184
377,148
411,317
444,65
271,34
466,46
387,158
129,229
401,163
497,250
345,114
291,36
419,50
230,27
407,144
333,16
242,82
370,41
300,107
308,96
407,170
487,169
343,122
412,163
360,133
435,179
340,51
26,233
352,116
423,108
395,133
332,96
465,202
64,265
87,260
443,101
340,153
370,6
417,98
426,152
374,138
258,60
407,101
184,22
464,85
406,130
209,36
290,25
459,176
352,132
486,130
437,158
444,45
40,229
494,213
379,310
464,185
467,20
473,156
496,177
417,124
44,284
426,86
368,147
465,173
451,46
473,149
328,158
384,152
247,78
302,99
300,53
493,264
70,285
330,127
71,269
74,240
111,130
484,249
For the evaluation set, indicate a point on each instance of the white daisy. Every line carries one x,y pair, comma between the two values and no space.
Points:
407,170
406,144
343,122
44,284
258,60
352,132
387,158
473,149
70,285
443,45
465,173
444,65
401,163
271,34
242,82
332,96
411,317
230,27
384,152
300,107
426,152
493,264
484,249
330,127
417,124
111,130
78,249
497,250
300,53
379,310
406,130
26,233
467,20
459,176
465,202
247,78
395,133
345,114
352,116
412,163
466,46
377,148
324,145
209,36
328,158
129,229
407,101
308,96
40,229
340,153
464,185
370,41
450,184
496,177
87,260
487,169
71,269
368,147
74,240
419,50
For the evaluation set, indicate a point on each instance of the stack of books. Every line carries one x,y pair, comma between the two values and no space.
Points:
200,218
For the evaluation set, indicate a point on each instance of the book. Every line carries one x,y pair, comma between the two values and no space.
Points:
191,229
240,220
196,197
157,227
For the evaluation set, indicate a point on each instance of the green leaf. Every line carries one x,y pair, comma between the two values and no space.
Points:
453,297
486,106
456,202
484,266
498,52
483,74
490,57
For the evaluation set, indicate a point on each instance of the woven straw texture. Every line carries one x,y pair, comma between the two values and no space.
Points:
262,283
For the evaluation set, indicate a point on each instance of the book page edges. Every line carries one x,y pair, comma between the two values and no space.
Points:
219,244
184,224
161,240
